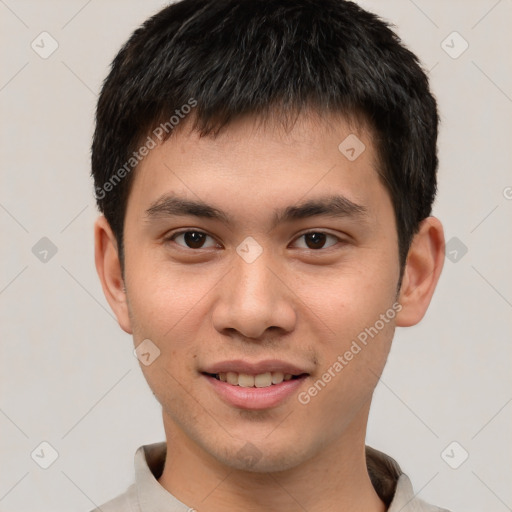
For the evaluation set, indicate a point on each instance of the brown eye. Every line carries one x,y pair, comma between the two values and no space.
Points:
316,239
192,239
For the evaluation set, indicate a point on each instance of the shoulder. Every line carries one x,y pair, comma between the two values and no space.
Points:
126,502
423,506
405,500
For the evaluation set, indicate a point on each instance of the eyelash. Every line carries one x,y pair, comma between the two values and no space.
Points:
172,236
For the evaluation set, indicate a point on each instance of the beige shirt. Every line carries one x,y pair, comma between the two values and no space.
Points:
147,495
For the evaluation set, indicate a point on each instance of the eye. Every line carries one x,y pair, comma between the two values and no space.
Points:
192,239
316,239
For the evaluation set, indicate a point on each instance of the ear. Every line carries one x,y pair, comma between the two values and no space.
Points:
422,270
108,267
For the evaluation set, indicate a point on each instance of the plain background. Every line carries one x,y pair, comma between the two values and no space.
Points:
68,374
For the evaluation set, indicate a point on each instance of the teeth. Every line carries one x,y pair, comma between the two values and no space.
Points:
277,377
246,381
231,378
262,380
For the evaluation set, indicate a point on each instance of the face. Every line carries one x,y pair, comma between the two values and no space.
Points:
255,287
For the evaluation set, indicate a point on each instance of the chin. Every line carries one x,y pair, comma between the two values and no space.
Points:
256,458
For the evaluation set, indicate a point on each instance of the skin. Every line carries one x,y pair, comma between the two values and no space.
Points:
295,303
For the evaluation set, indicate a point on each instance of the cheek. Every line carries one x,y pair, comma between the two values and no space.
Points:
165,315
349,302
350,364
357,312
164,300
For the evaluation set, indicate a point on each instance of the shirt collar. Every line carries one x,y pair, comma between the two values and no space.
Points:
390,483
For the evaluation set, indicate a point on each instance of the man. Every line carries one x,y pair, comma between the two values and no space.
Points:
266,170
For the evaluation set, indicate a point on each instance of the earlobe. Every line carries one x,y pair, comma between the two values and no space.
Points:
109,271
422,270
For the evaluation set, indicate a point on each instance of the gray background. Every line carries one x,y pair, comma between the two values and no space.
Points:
68,375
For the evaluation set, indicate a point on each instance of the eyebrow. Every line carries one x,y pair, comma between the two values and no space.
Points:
170,205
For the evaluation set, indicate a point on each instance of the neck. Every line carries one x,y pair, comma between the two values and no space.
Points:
335,479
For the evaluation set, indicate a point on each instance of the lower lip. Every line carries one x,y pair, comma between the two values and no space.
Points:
255,398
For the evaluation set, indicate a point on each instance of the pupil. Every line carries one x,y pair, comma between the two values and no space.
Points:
194,239
318,240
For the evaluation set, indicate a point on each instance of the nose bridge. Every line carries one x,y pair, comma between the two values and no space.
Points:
254,279
253,298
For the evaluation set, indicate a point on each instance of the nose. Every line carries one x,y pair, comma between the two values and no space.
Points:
253,298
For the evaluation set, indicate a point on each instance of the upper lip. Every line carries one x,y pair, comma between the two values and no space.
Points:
256,368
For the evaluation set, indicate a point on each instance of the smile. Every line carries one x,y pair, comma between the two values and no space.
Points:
255,392
261,380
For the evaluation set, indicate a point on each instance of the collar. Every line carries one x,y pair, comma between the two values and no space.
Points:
391,484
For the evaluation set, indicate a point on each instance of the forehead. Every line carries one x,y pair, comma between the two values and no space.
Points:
253,165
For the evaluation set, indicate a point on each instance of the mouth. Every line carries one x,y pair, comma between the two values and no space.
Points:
261,380
255,385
